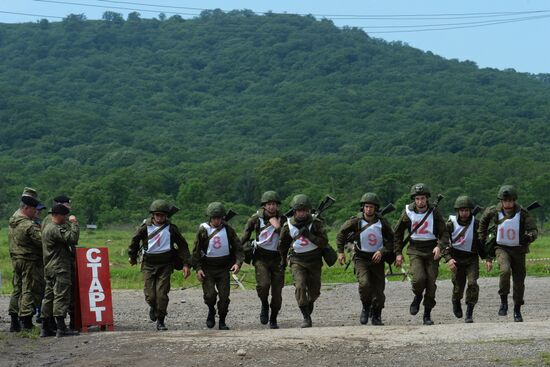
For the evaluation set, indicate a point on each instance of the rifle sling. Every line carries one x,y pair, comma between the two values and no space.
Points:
157,231
216,231
461,233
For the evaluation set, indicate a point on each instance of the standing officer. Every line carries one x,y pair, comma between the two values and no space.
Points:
512,229
373,237
266,223
25,245
424,248
305,236
163,248
217,252
461,256
58,237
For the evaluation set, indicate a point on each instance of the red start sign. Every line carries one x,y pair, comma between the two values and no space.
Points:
93,301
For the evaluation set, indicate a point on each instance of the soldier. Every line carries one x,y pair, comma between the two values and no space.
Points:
164,249
373,237
424,248
266,223
217,252
305,236
512,229
57,239
25,244
61,199
461,256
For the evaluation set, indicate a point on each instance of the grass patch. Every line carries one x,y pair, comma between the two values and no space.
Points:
34,333
545,357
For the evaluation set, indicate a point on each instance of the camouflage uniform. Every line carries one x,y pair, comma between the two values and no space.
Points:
511,258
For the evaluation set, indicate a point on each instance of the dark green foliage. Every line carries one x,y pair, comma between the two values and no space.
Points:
223,107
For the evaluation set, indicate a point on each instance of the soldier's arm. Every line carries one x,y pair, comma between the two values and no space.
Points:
182,246
71,234
399,231
388,236
248,229
236,244
446,251
34,234
484,223
318,234
348,227
284,242
197,255
530,231
441,229
137,238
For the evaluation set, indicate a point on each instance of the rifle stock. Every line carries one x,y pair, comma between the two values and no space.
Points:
230,214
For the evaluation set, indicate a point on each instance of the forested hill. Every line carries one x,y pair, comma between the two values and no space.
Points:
118,112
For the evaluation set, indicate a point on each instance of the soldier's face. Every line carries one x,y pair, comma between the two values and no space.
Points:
369,210
508,204
464,213
216,221
301,214
271,207
159,218
421,201
29,211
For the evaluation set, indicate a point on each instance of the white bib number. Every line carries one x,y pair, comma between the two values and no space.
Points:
426,230
218,245
508,231
301,243
371,238
159,243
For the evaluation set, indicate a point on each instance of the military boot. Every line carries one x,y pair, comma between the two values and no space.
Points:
415,305
160,324
221,324
46,328
27,322
211,318
517,313
503,310
469,313
38,315
311,304
152,313
457,309
15,326
365,313
307,317
264,313
377,317
273,320
62,328
427,318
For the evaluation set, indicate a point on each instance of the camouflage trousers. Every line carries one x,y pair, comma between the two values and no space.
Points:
57,297
28,287
511,263
307,280
217,284
467,270
372,282
270,276
424,271
156,287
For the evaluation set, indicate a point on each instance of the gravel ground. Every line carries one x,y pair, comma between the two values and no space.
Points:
335,339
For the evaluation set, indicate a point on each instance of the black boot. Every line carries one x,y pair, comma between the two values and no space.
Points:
46,328
415,305
53,325
152,313
365,313
160,324
273,320
307,317
517,313
211,318
221,324
427,316
311,308
264,313
503,310
377,317
38,315
15,325
457,309
62,328
27,322
469,313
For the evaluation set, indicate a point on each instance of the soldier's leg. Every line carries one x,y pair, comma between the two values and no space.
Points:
16,292
223,284
418,275
61,294
362,280
47,302
263,282
314,282
299,274
40,288
519,272
472,275
503,259
378,284
459,281
164,274
30,283
432,271
277,285
150,287
209,296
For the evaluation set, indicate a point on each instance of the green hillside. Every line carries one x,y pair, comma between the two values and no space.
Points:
118,112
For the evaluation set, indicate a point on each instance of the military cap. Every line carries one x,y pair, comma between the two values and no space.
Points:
30,201
59,209
29,191
62,199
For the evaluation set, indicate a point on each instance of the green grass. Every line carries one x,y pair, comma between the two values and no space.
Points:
124,276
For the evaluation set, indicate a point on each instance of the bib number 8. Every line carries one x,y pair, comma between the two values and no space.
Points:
217,242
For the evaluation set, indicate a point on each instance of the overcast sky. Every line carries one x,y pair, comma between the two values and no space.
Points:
521,45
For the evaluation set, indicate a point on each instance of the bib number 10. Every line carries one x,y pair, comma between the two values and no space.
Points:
509,234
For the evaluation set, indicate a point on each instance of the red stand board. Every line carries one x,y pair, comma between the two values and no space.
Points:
93,301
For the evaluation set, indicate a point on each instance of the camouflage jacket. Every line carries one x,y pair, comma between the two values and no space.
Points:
24,237
57,241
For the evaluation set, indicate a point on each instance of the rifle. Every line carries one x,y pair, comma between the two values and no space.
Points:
476,210
173,210
430,211
324,205
229,215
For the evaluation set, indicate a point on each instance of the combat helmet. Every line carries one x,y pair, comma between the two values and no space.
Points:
464,201
420,189
300,201
507,192
160,206
215,209
269,196
370,198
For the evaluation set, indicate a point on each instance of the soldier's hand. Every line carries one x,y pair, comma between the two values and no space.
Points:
200,275
235,269
489,265
437,253
377,257
132,261
452,265
341,258
186,272
275,222
72,219
399,260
